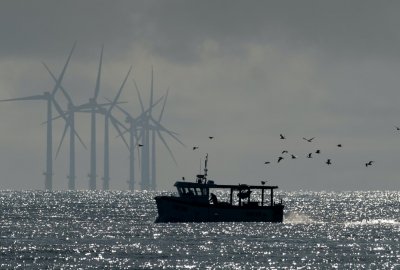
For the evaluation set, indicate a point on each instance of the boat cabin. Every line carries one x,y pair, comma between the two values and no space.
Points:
199,191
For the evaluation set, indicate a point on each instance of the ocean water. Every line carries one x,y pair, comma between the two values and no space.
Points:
116,230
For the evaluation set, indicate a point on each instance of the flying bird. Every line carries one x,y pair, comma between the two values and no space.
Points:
284,151
339,145
282,137
318,151
328,161
267,162
369,163
211,137
183,178
309,140
397,128
279,159
195,147
263,182
309,155
140,145
293,156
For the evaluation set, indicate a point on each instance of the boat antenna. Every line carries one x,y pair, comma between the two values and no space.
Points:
205,168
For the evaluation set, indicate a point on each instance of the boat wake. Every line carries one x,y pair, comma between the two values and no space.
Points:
298,218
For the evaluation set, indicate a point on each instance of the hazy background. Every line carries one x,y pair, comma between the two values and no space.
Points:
242,71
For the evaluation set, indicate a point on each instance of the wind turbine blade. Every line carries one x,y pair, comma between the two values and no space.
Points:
97,88
166,146
120,90
151,89
80,139
161,127
123,111
63,71
83,106
140,98
115,123
163,107
123,133
59,110
67,96
127,114
36,97
62,138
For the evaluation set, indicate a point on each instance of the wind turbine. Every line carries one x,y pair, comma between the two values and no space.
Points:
49,97
134,124
107,116
70,123
150,124
93,108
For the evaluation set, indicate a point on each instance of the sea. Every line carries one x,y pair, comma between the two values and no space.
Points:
116,230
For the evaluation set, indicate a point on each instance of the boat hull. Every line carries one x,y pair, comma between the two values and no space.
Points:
176,209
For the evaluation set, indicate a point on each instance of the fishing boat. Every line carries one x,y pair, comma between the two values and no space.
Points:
195,202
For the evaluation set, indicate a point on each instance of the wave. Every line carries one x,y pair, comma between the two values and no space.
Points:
367,222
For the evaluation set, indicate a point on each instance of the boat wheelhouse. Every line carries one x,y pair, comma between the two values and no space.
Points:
196,203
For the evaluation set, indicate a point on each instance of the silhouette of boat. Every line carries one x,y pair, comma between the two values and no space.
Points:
195,203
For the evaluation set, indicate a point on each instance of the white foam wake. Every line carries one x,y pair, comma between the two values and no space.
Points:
298,218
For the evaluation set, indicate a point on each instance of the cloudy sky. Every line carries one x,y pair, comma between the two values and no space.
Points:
241,71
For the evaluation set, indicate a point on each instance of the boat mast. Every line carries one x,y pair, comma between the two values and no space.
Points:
202,178
205,168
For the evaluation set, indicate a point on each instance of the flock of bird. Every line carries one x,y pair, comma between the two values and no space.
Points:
284,154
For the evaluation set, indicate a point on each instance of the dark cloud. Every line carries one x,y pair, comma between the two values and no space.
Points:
42,28
177,29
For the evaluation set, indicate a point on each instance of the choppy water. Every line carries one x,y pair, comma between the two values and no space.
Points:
115,230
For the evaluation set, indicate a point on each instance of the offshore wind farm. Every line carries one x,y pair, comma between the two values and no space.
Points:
300,95
143,131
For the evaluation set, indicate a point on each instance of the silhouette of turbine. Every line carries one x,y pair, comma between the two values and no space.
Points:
70,123
49,97
149,124
134,124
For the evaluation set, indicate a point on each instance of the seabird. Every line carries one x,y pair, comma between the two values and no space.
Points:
183,178
282,137
195,147
309,140
279,159
369,163
263,182
328,161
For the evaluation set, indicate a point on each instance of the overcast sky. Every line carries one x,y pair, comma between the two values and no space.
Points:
241,71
